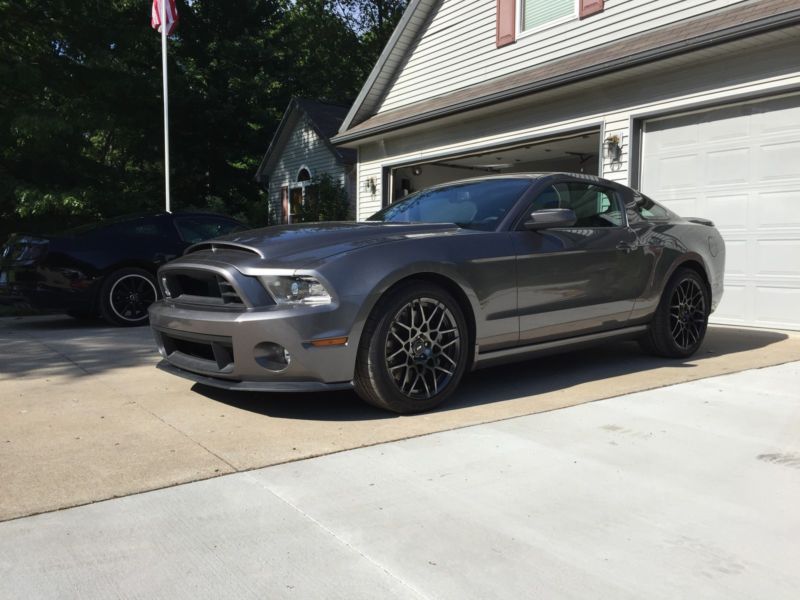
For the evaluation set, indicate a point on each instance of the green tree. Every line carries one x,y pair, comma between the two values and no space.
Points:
80,100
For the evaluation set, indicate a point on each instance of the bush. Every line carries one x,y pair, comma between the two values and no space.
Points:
326,200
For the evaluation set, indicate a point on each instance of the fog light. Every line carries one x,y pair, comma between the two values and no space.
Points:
272,356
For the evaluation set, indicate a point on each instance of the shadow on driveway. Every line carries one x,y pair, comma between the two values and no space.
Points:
507,382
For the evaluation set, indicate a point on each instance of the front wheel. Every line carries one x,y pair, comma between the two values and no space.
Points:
680,321
414,350
126,295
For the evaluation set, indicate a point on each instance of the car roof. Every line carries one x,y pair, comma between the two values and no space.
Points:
531,175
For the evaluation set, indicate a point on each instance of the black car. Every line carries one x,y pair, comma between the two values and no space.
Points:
105,269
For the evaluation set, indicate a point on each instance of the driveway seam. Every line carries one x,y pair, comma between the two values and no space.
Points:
184,434
344,542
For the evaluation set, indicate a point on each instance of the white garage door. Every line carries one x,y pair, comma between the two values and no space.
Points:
740,167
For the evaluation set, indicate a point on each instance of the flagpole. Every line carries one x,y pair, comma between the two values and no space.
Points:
163,8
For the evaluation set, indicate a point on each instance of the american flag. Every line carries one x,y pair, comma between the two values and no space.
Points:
170,15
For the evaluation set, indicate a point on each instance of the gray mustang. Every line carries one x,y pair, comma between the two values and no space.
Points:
455,277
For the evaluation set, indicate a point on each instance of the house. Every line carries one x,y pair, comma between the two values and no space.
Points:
300,152
695,102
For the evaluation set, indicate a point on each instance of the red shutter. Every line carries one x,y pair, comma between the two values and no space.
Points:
506,22
586,8
285,204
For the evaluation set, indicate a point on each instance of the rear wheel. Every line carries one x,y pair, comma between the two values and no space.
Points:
414,349
680,322
126,295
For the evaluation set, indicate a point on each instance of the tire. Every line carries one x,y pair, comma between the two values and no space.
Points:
680,321
414,350
126,295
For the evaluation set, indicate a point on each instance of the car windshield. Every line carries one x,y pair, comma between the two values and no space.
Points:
471,204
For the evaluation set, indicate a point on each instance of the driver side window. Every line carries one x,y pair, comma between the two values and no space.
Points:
595,206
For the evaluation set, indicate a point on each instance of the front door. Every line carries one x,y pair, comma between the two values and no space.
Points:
580,279
295,203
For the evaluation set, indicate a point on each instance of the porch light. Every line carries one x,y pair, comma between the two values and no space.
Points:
370,186
612,150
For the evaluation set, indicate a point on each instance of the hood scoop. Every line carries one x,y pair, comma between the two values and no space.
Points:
220,246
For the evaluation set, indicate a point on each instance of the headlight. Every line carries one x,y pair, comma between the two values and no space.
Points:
295,290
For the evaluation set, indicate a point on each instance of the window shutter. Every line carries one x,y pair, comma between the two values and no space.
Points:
285,204
587,8
506,22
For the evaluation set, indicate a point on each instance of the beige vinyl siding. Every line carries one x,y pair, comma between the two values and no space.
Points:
305,148
458,48
714,75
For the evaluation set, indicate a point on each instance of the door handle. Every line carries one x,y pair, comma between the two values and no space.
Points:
625,247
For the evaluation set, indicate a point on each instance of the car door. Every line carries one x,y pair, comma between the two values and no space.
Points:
579,279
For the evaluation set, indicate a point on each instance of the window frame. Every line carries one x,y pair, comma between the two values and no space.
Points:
520,32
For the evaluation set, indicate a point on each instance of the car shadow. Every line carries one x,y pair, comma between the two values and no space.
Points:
506,382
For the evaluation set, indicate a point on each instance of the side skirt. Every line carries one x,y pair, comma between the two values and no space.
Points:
507,355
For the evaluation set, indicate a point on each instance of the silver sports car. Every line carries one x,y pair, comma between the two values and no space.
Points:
455,277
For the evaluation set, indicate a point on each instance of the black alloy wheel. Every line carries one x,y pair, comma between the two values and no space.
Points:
414,349
681,319
126,295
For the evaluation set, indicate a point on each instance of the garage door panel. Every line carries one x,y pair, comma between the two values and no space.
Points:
740,167
726,167
729,210
780,162
735,126
778,257
778,209
776,306
678,173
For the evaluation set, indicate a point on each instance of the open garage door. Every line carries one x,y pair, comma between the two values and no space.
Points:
576,153
740,167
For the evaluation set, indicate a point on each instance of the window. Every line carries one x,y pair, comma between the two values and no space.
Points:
199,229
650,210
594,206
477,205
538,13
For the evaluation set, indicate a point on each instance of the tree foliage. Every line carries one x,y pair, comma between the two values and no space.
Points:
81,106
326,200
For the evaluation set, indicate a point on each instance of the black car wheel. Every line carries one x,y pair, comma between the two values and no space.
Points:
414,349
126,295
680,322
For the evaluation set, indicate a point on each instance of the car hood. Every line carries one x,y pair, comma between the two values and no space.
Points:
299,245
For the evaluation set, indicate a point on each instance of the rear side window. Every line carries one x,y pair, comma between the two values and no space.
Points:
650,210
594,205
199,229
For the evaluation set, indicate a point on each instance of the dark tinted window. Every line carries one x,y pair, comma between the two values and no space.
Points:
650,210
199,229
145,227
594,205
474,205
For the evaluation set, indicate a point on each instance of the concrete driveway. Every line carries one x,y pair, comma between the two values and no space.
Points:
686,491
85,416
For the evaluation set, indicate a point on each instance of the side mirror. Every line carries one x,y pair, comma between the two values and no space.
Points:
550,217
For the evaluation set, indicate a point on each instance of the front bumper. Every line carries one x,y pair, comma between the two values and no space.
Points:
224,349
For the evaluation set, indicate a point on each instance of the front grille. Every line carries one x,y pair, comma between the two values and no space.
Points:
196,352
194,286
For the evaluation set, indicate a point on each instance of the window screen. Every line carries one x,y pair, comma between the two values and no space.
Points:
536,13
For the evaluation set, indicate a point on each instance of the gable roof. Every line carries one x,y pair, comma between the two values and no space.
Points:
413,22
324,118
740,20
